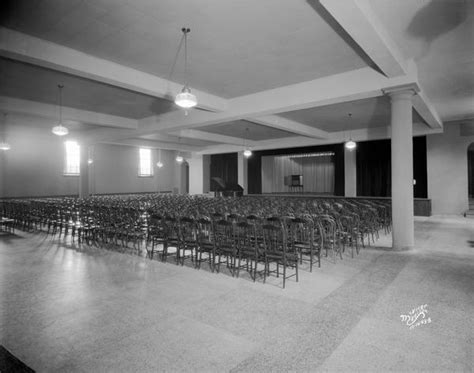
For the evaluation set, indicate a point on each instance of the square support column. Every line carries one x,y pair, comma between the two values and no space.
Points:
402,169
350,172
242,173
199,174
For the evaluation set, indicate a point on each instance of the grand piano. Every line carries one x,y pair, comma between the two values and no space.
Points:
222,188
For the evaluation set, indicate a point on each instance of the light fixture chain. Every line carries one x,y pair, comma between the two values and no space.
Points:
185,58
185,32
60,104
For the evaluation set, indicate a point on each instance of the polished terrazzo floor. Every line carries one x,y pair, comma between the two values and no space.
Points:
69,308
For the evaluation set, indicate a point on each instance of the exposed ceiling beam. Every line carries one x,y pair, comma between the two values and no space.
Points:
289,125
48,111
140,143
348,86
22,47
343,87
363,134
214,137
426,110
358,19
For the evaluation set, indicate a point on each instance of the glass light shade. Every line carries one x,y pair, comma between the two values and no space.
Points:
90,161
179,159
4,146
350,145
159,164
185,99
247,153
60,130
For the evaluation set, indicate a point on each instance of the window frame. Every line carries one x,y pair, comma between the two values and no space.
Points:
140,168
67,162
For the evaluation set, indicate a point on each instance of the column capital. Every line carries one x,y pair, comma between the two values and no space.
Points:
405,91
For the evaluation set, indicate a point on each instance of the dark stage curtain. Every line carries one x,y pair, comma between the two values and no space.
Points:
224,166
374,168
470,168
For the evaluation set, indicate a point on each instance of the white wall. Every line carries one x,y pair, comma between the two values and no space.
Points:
115,170
34,167
447,170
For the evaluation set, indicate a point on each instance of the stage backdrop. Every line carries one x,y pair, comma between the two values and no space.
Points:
317,170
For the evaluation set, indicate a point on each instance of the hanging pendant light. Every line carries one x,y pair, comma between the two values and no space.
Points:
185,98
350,145
179,157
60,130
4,145
247,151
159,164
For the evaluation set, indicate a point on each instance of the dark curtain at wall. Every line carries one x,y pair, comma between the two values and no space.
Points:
470,170
255,165
225,167
420,168
374,168
254,173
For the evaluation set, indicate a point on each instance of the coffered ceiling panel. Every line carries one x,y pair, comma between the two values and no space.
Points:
28,82
235,48
368,113
255,131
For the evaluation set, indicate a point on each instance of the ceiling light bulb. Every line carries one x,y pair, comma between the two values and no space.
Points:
350,145
60,130
179,159
247,153
159,164
185,98
90,161
4,146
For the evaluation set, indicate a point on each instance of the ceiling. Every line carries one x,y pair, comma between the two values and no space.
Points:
176,139
237,50
352,115
247,130
439,36
29,82
25,122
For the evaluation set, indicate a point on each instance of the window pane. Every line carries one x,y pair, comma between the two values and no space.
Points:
145,168
73,158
